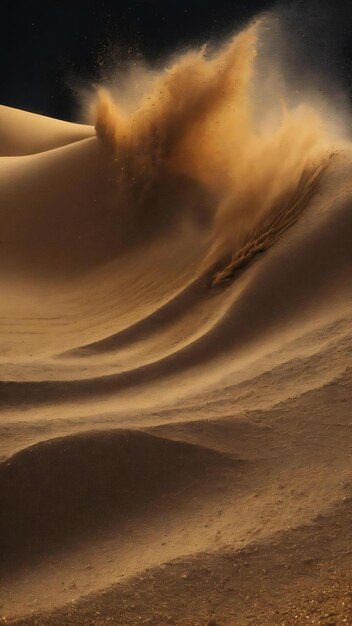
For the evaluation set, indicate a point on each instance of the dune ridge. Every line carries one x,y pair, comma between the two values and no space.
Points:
23,133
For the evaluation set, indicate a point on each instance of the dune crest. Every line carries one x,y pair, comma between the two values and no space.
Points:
23,133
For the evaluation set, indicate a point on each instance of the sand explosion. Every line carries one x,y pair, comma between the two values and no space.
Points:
198,122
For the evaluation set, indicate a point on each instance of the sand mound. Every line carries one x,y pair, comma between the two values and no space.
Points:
65,489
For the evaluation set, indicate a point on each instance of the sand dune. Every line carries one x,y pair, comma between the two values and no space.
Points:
175,367
87,481
27,133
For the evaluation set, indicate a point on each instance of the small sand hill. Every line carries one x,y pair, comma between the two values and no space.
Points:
175,367
27,133
57,492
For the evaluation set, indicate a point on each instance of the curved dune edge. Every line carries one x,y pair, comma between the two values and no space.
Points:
23,133
320,258
57,492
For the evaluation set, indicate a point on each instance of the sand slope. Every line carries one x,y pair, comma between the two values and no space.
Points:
27,133
170,452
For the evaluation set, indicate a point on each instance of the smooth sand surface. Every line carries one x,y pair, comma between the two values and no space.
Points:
172,452
23,133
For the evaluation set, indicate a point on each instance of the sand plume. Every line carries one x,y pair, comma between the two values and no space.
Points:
199,121
195,150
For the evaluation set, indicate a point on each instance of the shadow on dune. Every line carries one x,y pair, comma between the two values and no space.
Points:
66,489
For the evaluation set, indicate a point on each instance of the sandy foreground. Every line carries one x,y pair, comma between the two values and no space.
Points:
171,452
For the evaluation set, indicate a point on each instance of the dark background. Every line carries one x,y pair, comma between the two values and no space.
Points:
49,49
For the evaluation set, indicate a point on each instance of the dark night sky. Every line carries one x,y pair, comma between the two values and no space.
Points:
48,47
